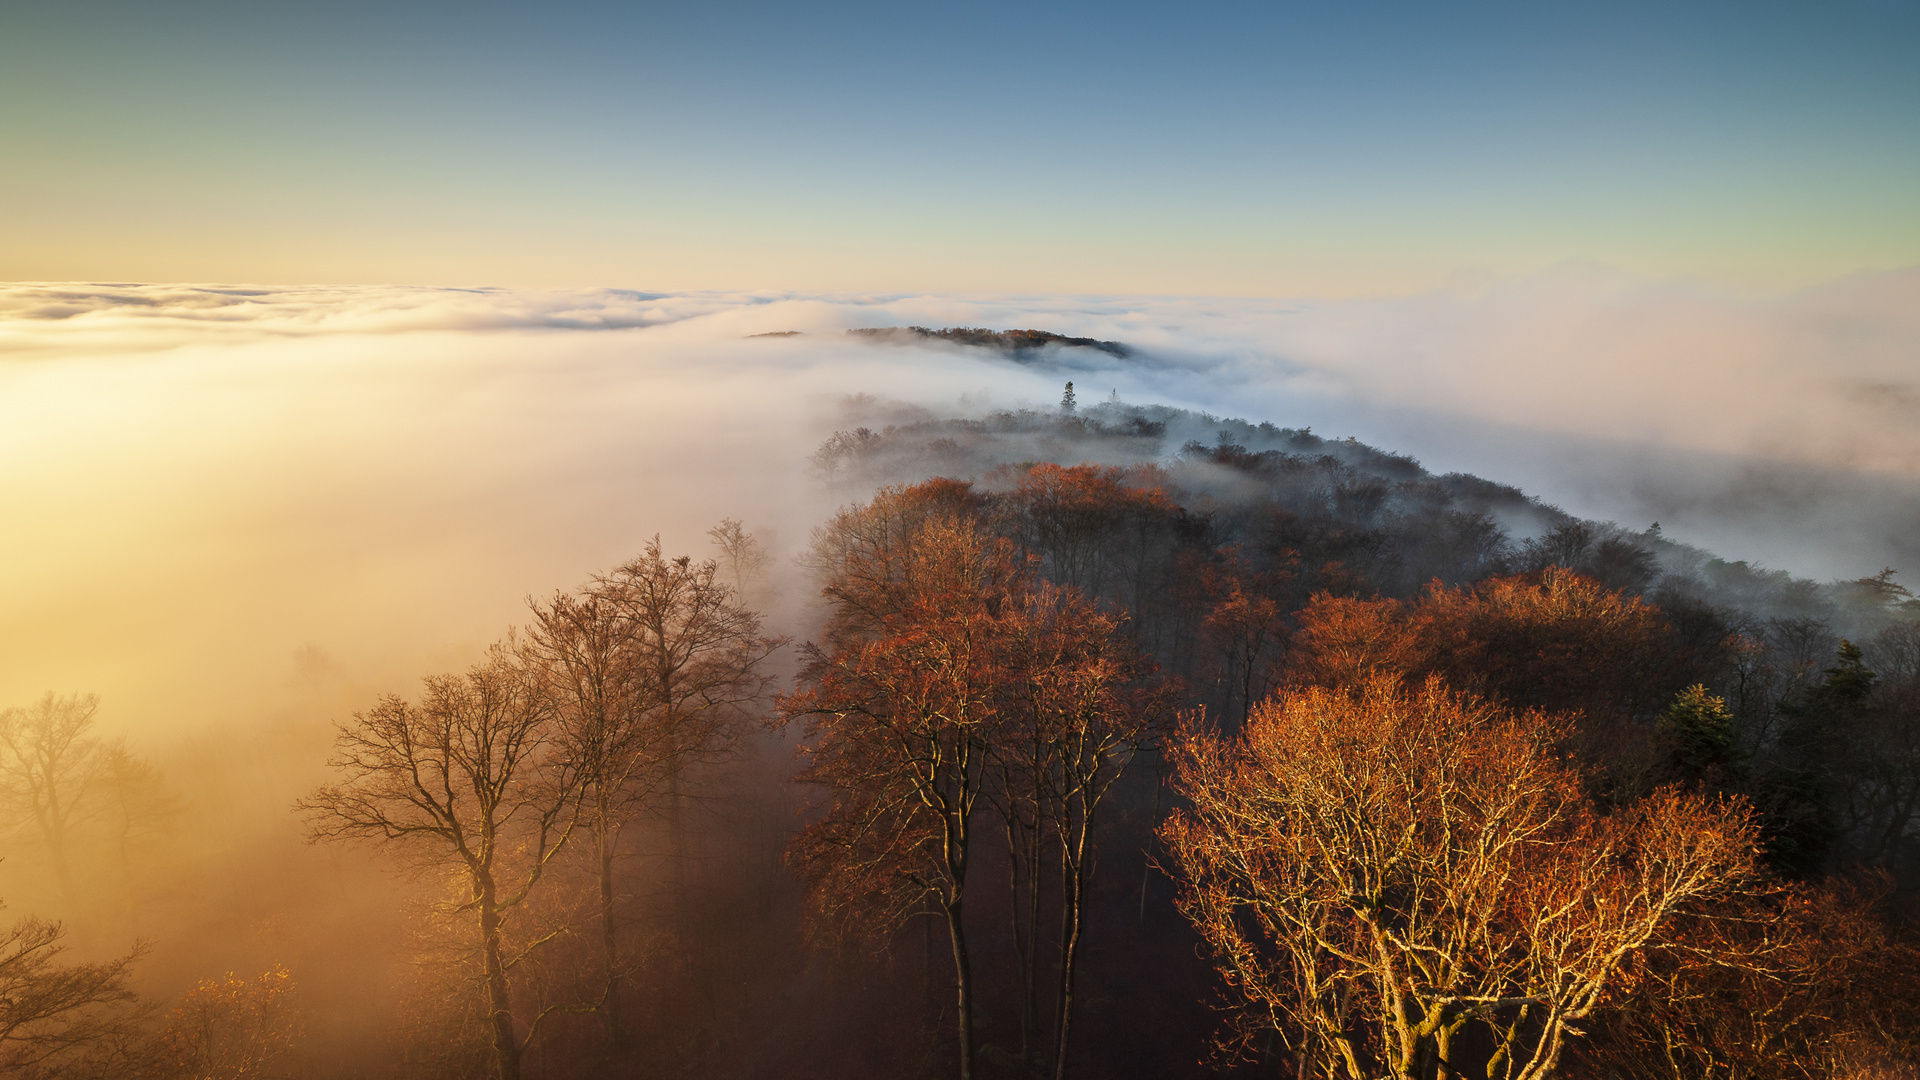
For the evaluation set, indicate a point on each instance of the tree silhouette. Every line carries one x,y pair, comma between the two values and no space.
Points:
51,771
49,1010
467,780
653,669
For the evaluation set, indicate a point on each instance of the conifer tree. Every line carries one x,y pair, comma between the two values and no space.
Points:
1704,749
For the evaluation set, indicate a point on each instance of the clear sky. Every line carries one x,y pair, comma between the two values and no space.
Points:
1245,149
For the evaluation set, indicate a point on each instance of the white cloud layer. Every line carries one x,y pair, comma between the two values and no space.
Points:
200,481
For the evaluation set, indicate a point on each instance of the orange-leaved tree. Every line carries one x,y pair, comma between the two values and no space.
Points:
230,1028
1408,881
951,676
1789,979
1556,640
1077,701
898,707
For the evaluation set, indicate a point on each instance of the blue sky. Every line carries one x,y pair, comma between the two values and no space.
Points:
1279,149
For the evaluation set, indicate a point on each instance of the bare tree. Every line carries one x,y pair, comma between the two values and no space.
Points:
587,653
137,807
466,780
740,552
50,1010
50,772
697,675
652,667
1380,870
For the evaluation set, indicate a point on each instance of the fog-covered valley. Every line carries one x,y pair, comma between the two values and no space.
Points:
239,516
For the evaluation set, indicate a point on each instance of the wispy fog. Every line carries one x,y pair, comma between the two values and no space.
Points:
215,495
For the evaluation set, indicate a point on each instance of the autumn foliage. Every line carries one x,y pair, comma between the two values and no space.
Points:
1409,881
1557,640
952,677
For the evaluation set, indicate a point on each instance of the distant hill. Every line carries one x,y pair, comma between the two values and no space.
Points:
1019,343
1339,501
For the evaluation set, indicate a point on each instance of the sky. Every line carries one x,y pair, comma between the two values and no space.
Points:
1275,149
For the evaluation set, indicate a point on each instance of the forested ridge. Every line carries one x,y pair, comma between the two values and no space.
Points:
1120,741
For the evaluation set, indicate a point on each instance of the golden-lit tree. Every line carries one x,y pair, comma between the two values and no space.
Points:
230,1028
1410,881
467,780
1789,980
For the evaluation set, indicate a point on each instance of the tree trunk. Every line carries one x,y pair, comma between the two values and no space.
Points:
506,1046
1023,945
53,830
963,982
1153,831
677,842
605,840
1072,903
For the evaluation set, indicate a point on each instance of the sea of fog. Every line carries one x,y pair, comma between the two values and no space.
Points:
215,498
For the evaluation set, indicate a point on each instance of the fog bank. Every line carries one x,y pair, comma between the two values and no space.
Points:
219,495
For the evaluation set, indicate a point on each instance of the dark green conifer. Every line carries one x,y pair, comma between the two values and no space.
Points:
1704,748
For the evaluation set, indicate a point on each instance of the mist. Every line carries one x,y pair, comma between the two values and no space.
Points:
204,482
239,514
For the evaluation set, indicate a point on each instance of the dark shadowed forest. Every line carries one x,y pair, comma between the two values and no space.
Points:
1103,740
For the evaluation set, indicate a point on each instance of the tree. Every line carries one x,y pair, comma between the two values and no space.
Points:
697,656
50,1010
1079,704
1703,747
951,675
1094,528
51,769
230,1028
1557,640
1244,624
588,660
744,558
898,711
1783,980
1411,880
1809,792
466,780
137,808
652,669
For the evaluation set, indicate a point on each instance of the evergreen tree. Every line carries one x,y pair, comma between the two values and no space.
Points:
1703,747
1805,795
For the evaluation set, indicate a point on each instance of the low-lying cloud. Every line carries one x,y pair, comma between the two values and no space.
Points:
202,483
